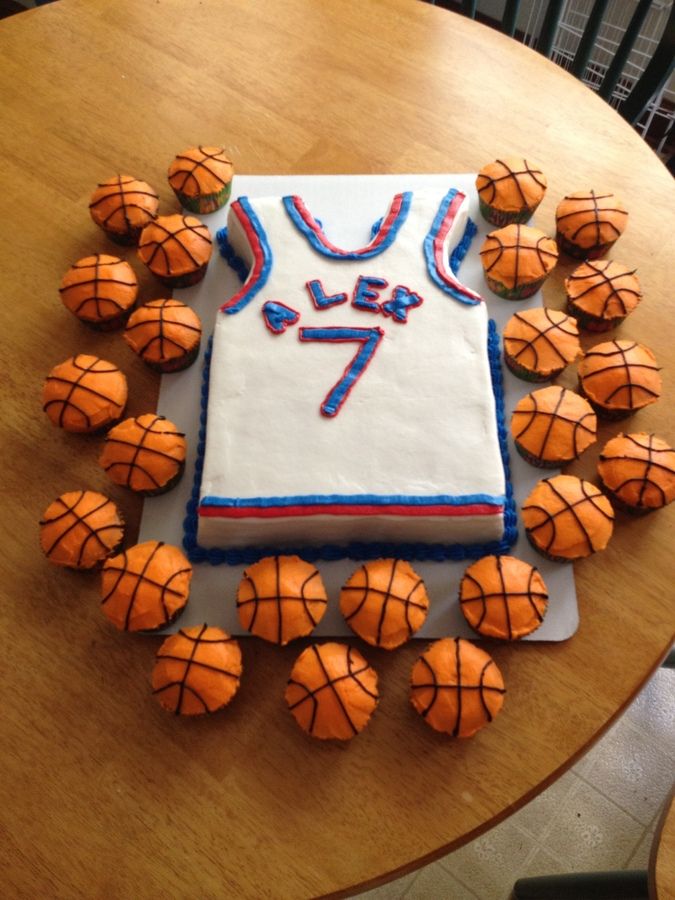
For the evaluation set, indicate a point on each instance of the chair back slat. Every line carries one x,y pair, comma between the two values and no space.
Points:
469,8
510,17
623,50
549,27
588,38
658,71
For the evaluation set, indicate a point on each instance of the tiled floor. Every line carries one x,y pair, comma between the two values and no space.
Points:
599,816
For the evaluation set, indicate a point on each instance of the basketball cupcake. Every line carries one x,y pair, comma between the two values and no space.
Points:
509,191
146,454
589,222
456,687
166,334
84,394
176,249
100,290
197,671
281,598
566,518
80,529
552,426
601,293
503,597
539,343
201,178
146,587
384,602
332,691
122,206
619,377
638,472
517,260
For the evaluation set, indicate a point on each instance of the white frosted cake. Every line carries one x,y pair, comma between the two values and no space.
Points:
350,392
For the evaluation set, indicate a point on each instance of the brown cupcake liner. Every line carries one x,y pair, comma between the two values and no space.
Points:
527,374
501,218
577,252
539,462
176,364
589,322
181,281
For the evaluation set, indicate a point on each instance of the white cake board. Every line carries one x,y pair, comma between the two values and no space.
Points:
361,200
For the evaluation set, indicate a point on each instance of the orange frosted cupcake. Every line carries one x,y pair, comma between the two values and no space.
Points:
456,687
84,394
619,377
100,290
638,472
281,598
566,518
601,293
145,587
146,454
80,529
122,206
176,249
589,222
552,426
517,260
510,190
503,597
166,334
332,691
539,343
197,671
201,178
385,602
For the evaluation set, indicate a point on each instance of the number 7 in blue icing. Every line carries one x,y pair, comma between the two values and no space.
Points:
368,338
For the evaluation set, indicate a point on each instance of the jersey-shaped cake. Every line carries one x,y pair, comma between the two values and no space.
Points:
350,392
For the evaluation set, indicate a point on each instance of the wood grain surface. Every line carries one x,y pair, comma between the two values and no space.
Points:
662,856
103,794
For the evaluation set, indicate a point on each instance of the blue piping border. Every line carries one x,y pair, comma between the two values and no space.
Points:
364,253
358,550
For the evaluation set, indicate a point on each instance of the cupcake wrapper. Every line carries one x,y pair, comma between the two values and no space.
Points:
177,364
610,415
541,552
501,218
620,504
205,203
528,374
520,292
114,323
187,280
571,249
166,487
538,462
128,239
592,323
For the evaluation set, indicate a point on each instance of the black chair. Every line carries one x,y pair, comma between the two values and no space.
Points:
625,885
651,82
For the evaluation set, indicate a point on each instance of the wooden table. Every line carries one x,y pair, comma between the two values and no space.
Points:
662,857
102,793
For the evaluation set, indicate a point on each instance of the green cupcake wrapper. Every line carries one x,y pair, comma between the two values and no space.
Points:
205,203
521,292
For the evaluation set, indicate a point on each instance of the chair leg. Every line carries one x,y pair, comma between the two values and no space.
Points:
627,885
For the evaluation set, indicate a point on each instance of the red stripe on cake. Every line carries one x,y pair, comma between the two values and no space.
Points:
273,512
